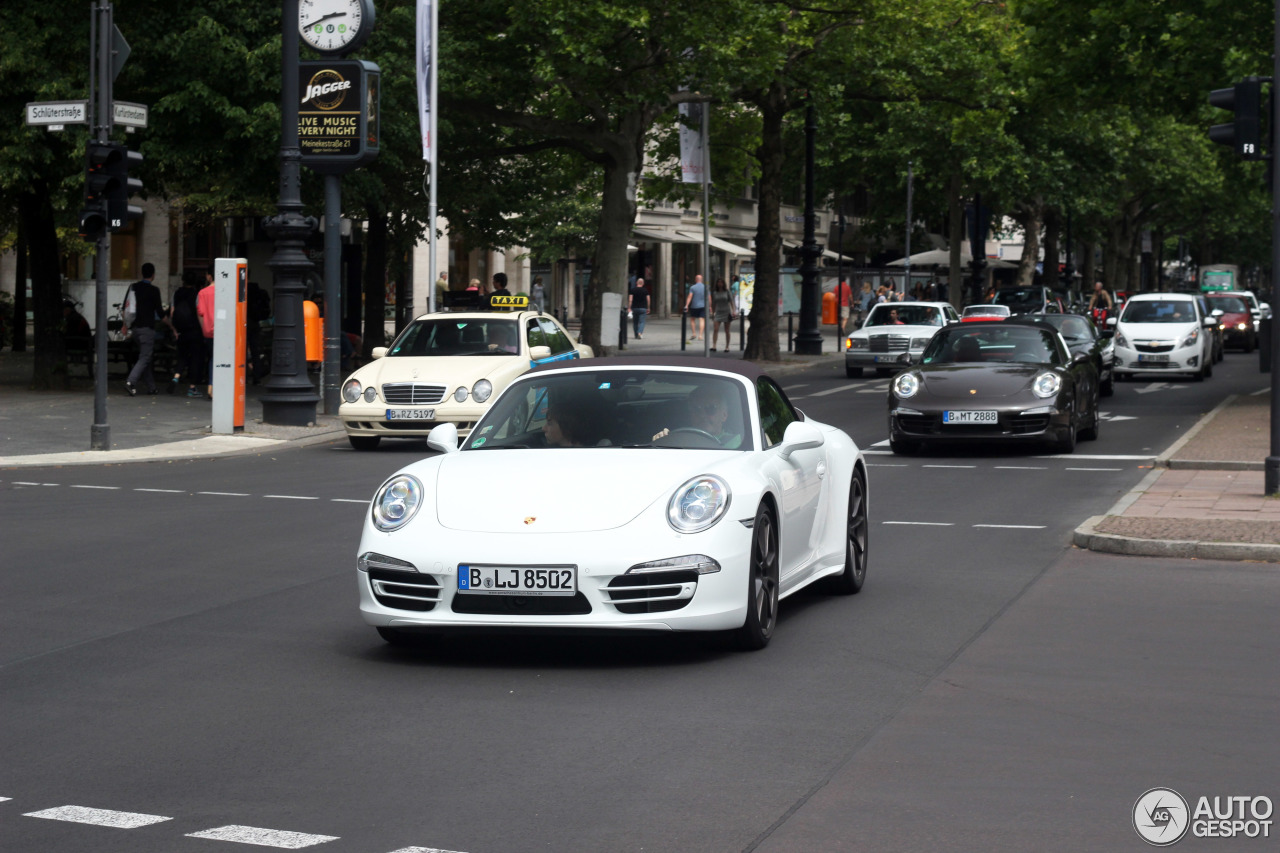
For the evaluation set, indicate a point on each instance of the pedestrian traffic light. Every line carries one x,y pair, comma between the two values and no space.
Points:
107,185
93,223
1245,133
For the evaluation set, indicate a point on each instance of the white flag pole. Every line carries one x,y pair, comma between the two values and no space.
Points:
706,232
428,30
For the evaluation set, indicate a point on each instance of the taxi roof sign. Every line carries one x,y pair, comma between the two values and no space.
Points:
508,302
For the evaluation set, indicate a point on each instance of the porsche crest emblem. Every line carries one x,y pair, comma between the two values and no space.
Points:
529,519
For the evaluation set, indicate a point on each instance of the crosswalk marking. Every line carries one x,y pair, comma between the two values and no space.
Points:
99,817
263,837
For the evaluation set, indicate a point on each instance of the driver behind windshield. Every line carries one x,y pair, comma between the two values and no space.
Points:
709,413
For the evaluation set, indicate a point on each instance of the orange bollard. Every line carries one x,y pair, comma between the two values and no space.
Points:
830,313
312,331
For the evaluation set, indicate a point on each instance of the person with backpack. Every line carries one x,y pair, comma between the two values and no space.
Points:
186,325
142,301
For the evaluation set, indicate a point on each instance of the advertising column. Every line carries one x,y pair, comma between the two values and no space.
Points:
231,284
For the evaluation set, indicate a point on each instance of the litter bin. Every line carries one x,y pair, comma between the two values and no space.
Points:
830,313
312,331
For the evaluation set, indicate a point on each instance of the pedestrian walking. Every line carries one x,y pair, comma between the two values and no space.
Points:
185,320
538,296
695,305
638,307
864,302
204,310
722,313
149,312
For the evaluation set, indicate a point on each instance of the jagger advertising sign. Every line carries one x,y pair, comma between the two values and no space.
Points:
338,114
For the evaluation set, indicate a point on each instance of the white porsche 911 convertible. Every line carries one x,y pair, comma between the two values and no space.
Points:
665,494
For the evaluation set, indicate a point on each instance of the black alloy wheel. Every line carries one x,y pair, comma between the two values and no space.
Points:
1067,444
1090,433
762,583
849,582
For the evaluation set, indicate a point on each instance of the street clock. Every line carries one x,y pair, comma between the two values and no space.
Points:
335,27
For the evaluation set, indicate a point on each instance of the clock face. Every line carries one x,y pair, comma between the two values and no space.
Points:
332,26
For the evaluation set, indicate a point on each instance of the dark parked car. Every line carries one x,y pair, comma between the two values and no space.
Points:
1082,336
996,382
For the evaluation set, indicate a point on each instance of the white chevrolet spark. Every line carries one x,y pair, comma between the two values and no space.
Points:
1163,333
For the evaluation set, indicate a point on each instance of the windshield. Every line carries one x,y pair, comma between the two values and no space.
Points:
987,311
618,408
904,314
999,343
1021,300
1074,328
441,336
1228,304
1159,311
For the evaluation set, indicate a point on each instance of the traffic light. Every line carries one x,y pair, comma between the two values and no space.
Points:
107,184
93,223
1245,133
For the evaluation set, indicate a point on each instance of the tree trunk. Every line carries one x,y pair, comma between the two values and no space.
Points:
762,335
1030,218
375,281
46,285
20,292
1052,225
955,240
1088,266
623,160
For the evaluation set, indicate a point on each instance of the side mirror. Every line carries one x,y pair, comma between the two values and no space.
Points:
378,352
1209,322
1216,312
539,353
444,438
1111,322
800,435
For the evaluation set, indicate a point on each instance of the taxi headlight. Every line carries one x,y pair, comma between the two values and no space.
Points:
482,390
906,385
351,390
857,343
461,394
370,394
698,504
396,502
1192,338
1046,385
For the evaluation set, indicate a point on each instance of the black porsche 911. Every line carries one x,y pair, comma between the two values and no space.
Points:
997,382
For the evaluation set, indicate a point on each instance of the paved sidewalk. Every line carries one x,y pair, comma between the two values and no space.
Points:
43,428
1204,499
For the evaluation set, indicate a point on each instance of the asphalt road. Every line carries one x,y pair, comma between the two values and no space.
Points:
180,651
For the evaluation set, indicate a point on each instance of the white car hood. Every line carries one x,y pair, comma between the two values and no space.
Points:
450,371
567,490
1142,332
912,331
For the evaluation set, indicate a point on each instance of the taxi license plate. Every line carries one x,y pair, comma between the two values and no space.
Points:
980,417
886,359
1160,358
517,580
411,414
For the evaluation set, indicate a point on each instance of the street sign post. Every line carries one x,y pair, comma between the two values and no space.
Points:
129,115
56,115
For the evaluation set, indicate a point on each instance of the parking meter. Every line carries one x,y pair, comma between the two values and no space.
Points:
231,286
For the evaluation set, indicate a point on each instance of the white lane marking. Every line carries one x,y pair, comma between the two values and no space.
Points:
1159,386
884,443
1093,469
24,483
226,494
99,817
423,850
51,484
347,501
877,452
948,466
1022,468
923,523
164,491
885,465
95,487
790,388
1111,419
832,391
291,497
1014,526
263,837
1113,457
1259,393
874,390
5,799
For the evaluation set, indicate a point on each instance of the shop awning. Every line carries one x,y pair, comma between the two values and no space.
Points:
650,236
718,243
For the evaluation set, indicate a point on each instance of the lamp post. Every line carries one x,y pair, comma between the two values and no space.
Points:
808,340
288,396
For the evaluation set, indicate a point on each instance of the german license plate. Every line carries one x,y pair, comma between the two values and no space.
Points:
517,580
1160,358
979,417
411,414
886,359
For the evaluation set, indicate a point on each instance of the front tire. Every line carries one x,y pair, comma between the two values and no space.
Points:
849,582
364,442
1067,444
762,583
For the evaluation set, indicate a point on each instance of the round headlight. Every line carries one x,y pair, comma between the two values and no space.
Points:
461,394
1047,385
906,385
698,504
481,390
396,502
370,394
351,390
